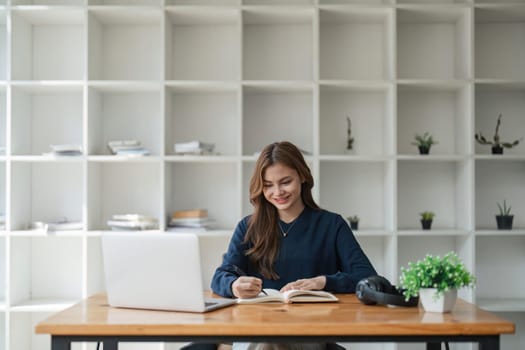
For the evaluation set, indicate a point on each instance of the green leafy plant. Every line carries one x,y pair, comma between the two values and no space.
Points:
354,218
504,210
496,142
427,215
443,274
424,141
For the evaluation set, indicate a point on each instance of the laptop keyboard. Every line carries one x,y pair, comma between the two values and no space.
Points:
210,303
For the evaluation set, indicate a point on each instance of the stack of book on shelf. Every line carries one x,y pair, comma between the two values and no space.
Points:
58,224
132,222
194,148
189,220
127,148
69,150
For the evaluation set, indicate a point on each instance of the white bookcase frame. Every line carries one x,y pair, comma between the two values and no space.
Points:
241,74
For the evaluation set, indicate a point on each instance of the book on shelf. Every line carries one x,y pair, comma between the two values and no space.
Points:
127,148
290,296
190,213
65,150
133,222
194,147
60,224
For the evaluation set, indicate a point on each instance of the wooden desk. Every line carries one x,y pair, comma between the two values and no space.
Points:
347,321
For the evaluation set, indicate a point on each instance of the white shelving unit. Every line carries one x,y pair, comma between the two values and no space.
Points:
242,74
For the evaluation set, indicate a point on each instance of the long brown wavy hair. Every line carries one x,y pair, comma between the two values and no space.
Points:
263,228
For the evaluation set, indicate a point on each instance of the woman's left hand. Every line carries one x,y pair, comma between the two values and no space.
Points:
315,283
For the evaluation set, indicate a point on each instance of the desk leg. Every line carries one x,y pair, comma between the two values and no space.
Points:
110,344
60,343
433,346
491,343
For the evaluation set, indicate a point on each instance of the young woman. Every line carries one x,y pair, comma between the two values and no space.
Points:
289,242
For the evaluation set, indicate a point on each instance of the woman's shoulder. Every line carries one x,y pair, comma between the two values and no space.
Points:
326,215
323,213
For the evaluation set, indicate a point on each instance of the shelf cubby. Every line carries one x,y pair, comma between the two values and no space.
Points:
95,282
3,121
508,100
3,328
44,115
441,187
211,252
3,264
46,272
434,42
123,187
124,112
48,43
368,108
187,187
277,112
277,44
500,53
380,251
125,2
496,181
492,272
3,45
438,109
203,43
358,188
26,3
3,195
45,191
356,2
124,43
208,113
22,335
217,3
356,44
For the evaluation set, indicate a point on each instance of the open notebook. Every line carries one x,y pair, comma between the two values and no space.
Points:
290,296
155,271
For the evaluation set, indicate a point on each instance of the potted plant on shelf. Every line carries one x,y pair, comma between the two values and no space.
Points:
436,281
496,143
504,219
354,222
426,219
424,142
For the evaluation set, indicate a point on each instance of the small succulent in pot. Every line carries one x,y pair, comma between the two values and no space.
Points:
505,218
354,222
426,219
496,143
424,142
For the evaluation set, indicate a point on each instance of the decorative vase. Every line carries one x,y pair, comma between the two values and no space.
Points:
504,222
426,224
442,303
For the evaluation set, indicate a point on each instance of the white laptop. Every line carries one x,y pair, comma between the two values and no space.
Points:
159,271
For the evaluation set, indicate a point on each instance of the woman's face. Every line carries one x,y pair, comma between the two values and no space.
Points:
282,188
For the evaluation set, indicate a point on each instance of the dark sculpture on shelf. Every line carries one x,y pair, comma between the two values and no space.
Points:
497,145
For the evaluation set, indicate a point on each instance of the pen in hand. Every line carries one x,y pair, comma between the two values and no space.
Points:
239,272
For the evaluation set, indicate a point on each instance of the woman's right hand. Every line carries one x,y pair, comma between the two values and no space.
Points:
247,287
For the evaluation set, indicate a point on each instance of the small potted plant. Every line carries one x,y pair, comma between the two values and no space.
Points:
496,143
426,219
436,281
424,142
354,222
504,219
349,137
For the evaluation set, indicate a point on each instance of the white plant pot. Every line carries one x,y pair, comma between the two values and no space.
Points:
443,303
